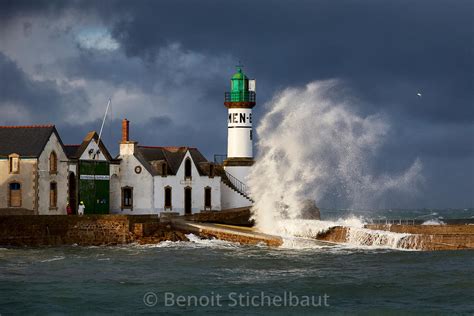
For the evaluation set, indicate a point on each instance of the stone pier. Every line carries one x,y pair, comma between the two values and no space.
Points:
420,237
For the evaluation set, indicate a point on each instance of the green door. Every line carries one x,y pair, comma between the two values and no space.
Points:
94,186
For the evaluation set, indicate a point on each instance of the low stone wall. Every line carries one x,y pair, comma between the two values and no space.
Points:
230,233
37,230
422,237
236,217
434,237
94,230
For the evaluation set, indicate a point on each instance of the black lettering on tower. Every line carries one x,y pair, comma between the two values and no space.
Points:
230,118
234,117
242,118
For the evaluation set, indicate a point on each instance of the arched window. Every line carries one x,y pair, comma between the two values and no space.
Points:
15,194
187,168
207,198
53,163
168,198
53,195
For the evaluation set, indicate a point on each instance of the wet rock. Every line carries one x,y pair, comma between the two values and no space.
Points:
310,210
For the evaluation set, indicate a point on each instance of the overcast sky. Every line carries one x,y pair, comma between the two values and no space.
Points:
166,64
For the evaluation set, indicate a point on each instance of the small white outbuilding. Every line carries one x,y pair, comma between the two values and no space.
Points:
154,180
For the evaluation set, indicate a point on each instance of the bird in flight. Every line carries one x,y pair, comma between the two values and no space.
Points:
419,94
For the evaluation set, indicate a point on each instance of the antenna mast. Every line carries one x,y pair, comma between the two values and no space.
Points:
102,126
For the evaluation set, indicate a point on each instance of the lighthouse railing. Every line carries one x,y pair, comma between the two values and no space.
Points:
240,96
239,185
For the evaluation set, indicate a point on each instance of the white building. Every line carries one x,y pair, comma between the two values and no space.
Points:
154,180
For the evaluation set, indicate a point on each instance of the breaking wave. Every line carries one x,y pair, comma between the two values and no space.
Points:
314,146
301,234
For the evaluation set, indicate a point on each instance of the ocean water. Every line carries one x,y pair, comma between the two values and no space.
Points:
174,278
423,214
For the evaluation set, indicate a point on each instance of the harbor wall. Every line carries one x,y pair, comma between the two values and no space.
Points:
50,230
417,237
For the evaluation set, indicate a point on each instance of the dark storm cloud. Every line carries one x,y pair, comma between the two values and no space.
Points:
385,52
10,9
42,100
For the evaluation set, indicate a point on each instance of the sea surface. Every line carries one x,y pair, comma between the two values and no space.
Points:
216,277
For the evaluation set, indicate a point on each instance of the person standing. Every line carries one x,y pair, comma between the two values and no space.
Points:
81,209
68,209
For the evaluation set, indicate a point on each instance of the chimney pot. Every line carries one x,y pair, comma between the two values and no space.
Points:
125,130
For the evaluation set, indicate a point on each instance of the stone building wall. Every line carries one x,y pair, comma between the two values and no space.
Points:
45,178
26,177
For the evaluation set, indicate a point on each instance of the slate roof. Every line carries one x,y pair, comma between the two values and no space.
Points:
151,157
26,141
71,151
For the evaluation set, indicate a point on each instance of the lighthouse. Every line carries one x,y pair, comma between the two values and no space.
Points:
239,102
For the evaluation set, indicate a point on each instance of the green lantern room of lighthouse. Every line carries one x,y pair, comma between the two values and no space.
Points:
240,88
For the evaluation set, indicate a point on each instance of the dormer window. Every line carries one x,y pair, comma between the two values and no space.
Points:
187,169
53,163
211,170
164,169
14,163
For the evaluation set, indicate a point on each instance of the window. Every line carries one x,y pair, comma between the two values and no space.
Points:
168,197
127,197
187,169
211,170
207,198
164,170
15,194
53,195
14,163
53,163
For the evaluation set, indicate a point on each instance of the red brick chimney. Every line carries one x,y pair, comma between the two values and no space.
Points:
125,131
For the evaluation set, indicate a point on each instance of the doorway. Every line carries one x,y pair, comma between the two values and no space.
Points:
187,201
72,192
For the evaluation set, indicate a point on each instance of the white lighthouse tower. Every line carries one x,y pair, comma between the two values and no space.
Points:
239,102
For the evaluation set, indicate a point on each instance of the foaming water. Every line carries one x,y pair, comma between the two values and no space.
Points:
312,146
194,242
435,221
300,234
374,239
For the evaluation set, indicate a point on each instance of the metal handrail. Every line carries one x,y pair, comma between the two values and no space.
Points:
394,221
239,185
240,96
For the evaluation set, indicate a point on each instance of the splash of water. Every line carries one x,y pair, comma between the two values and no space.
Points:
314,147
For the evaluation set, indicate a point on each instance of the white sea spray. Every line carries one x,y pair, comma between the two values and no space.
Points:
314,146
